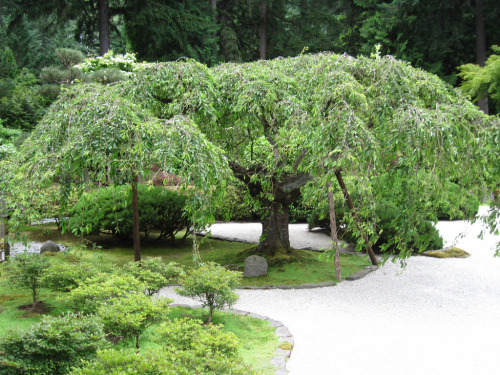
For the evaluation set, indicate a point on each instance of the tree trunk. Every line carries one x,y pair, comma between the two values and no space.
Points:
103,27
351,207
4,228
263,30
481,47
135,221
333,231
275,238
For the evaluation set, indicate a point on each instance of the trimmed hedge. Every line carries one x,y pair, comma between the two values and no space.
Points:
109,210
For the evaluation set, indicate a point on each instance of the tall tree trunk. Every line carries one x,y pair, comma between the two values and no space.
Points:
481,47
263,30
135,221
333,231
103,27
347,197
275,238
4,228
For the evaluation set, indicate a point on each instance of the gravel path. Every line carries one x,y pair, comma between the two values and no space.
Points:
438,316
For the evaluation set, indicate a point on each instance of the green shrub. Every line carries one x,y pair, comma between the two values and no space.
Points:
390,224
52,346
191,335
26,271
160,362
154,273
64,276
456,203
129,316
108,210
236,206
102,288
212,285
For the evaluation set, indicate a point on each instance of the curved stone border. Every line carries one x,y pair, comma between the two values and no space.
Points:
283,333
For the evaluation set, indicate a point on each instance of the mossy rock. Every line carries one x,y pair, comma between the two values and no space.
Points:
285,346
453,252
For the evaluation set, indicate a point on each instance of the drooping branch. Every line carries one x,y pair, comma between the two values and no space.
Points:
348,199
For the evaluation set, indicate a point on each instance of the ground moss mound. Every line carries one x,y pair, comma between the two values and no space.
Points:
453,252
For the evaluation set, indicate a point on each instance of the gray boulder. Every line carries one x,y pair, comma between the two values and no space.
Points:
49,247
255,266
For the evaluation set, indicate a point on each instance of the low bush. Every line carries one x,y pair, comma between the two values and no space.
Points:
109,210
191,335
160,362
64,277
154,273
100,289
52,346
212,285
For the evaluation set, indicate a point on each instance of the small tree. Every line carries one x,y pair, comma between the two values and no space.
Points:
26,271
131,315
212,285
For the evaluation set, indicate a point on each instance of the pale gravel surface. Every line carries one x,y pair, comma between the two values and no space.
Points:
438,316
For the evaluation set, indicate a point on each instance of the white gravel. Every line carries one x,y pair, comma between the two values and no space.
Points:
437,316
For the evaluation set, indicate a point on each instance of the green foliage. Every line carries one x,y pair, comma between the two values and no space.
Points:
102,288
481,81
121,140
7,138
457,203
52,346
109,210
160,362
64,276
26,271
130,315
124,63
8,64
108,75
212,285
69,57
237,205
205,341
154,273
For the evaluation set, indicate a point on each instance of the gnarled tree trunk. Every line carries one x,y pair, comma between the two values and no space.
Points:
275,240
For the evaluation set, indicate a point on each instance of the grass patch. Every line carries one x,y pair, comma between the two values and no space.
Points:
257,338
305,268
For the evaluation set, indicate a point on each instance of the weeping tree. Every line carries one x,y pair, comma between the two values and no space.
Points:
316,120
285,126
95,134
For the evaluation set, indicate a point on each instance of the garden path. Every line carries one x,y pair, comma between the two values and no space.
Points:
437,316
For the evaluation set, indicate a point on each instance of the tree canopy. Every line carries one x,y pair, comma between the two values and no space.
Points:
283,125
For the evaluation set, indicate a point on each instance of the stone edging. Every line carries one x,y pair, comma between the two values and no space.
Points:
283,333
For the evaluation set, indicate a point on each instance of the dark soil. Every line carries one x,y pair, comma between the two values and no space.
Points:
39,308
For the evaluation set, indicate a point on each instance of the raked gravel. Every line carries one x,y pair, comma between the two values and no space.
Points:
437,316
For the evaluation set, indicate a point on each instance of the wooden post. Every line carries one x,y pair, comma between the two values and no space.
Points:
135,221
347,197
333,231
4,228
